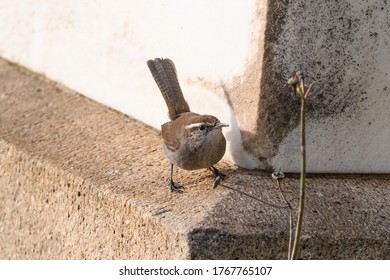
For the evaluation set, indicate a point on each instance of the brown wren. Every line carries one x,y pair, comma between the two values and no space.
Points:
191,141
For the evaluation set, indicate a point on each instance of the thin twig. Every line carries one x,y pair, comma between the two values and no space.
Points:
253,197
291,236
302,183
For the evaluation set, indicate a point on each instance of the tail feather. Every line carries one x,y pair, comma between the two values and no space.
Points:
164,74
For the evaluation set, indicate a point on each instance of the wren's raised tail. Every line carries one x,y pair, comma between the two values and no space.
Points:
191,141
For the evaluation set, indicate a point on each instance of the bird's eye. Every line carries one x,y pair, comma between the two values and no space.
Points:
202,127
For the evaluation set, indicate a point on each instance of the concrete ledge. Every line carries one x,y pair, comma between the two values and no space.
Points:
81,181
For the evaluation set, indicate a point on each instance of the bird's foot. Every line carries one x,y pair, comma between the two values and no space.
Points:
175,188
218,176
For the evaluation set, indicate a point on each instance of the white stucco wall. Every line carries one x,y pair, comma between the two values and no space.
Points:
99,48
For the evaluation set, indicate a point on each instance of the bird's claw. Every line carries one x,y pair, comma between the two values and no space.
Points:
218,176
175,188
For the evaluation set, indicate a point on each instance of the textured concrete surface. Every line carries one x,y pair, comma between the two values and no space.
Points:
81,181
233,69
342,45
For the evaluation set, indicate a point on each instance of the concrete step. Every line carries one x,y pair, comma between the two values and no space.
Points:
81,181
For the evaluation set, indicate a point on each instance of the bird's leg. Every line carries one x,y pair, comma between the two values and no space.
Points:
174,187
218,176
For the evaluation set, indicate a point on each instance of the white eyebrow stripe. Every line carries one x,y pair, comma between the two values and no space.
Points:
189,126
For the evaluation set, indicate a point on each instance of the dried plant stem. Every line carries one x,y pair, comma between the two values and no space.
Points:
253,197
298,231
291,236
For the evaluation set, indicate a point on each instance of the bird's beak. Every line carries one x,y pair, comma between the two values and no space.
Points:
220,125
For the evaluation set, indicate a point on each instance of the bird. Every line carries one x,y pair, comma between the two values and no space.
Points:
191,141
